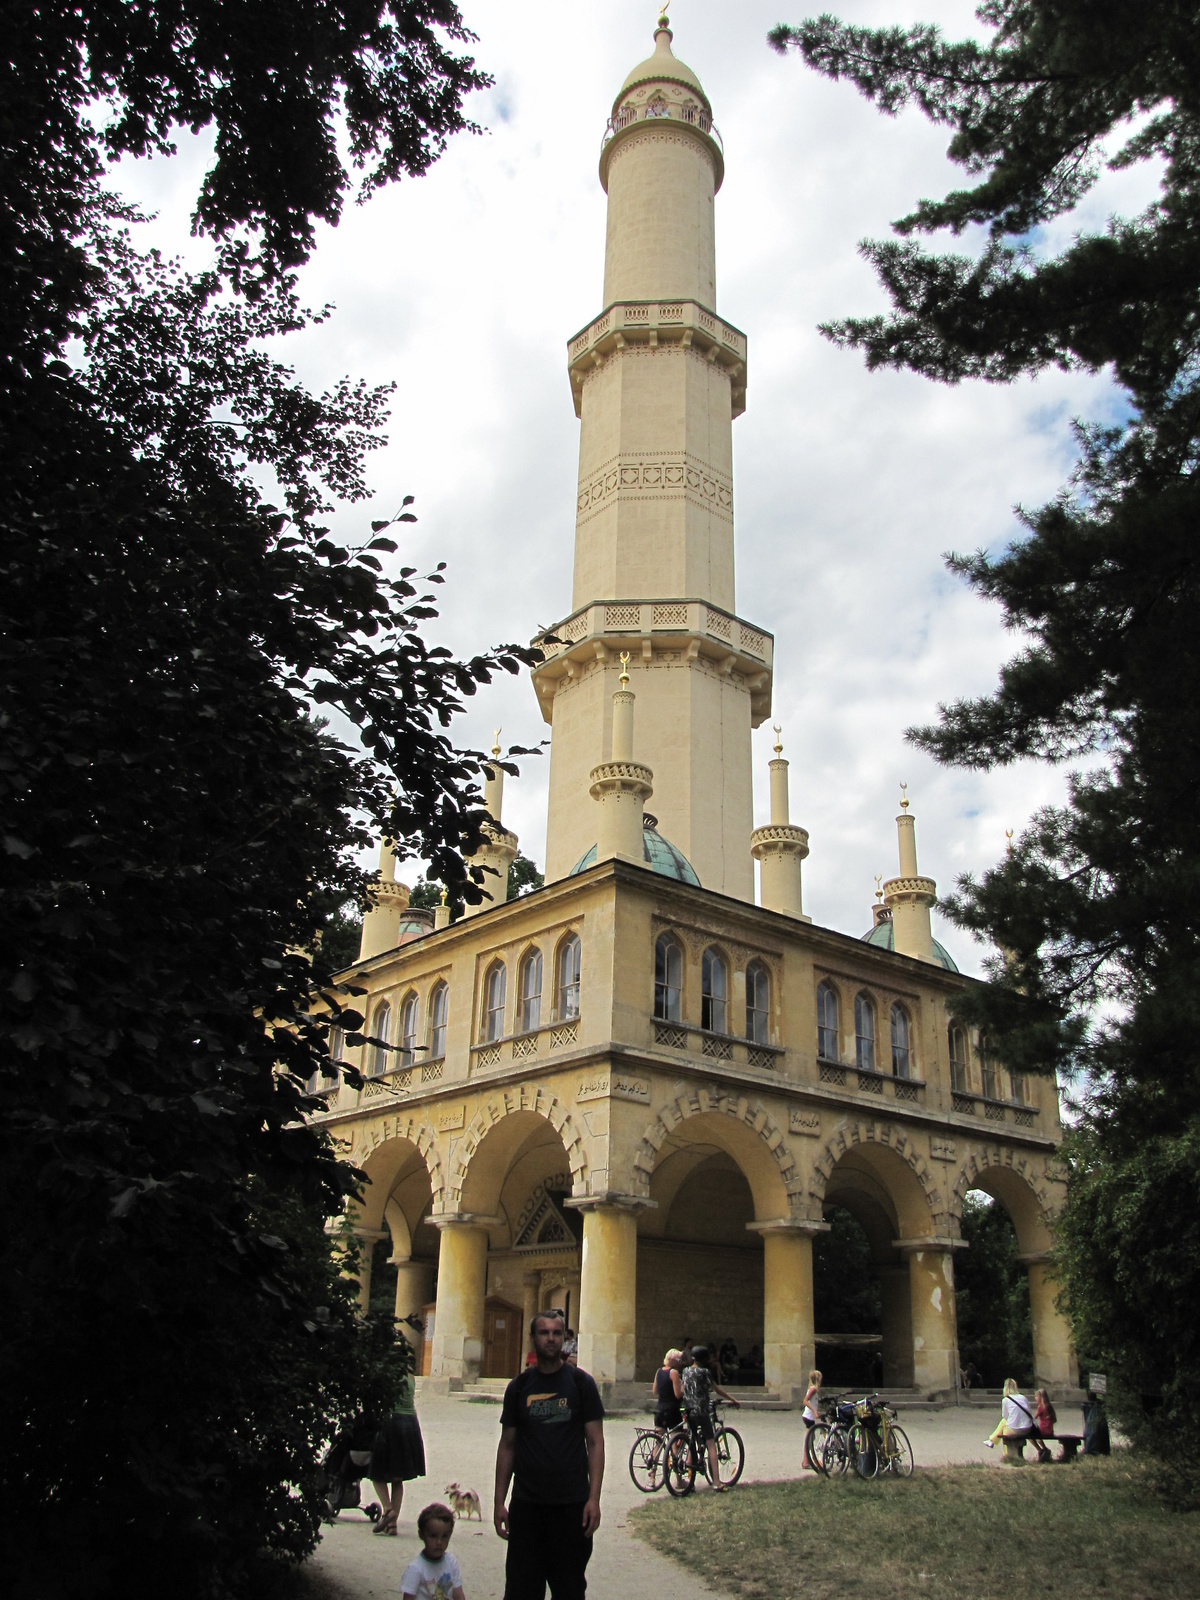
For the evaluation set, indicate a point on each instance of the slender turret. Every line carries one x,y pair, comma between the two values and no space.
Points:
780,848
621,785
499,848
909,897
389,902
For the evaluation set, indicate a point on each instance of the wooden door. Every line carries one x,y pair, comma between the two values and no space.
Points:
501,1338
425,1355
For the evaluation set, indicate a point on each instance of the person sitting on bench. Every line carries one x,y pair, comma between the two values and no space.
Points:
1017,1421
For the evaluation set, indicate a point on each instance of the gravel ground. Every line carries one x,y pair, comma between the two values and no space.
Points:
460,1445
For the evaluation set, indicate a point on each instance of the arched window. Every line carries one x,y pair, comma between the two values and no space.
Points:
988,1076
1020,1088
493,1002
439,1001
530,1018
408,1030
381,1024
827,1022
668,979
714,991
864,1032
758,1003
901,1043
566,998
958,1060
337,1043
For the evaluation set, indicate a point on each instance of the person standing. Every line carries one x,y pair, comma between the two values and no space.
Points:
552,1441
397,1456
698,1390
812,1400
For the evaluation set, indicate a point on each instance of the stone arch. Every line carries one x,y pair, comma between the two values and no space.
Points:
1011,1177
492,1116
744,1129
891,1158
380,1150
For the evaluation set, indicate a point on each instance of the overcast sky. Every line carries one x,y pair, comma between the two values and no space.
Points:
464,287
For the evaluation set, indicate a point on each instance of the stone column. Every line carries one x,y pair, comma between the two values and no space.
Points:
934,1327
414,1283
367,1238
1054,1361
462,1283
789,1338
896,1297
608,1289
531,1286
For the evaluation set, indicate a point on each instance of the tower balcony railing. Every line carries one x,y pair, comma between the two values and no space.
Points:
659,322
663,111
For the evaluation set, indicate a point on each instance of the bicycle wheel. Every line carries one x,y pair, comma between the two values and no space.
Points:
864,1452
646,1462
814,1446
731,1454
681,1466
836,1455
900,1455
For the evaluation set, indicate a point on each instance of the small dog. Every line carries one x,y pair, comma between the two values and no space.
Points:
463,1501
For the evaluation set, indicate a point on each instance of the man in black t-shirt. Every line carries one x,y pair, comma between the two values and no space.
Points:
552,1438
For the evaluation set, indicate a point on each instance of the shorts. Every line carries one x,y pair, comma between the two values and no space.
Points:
703,1423
670,1418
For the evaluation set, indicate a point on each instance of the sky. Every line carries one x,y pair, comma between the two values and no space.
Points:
464,286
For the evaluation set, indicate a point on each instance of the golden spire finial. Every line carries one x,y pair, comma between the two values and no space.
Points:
624,667
445,895
878,888
904,797
496,732
663,20
1008,834
778,739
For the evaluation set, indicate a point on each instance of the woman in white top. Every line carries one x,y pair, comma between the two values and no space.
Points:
1016,1420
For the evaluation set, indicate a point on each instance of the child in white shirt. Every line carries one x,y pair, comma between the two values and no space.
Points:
434,1574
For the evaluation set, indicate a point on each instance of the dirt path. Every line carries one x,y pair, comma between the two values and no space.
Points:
460,1445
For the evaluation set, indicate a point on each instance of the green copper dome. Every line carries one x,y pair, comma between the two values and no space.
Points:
660,856
883,938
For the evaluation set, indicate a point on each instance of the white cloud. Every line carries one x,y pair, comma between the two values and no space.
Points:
464,287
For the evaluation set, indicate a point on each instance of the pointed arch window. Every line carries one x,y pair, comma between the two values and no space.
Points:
1020,1088
959,1077
988,1076
566,999
439,1005
901,1042
668,979
758,1003
381,1025
530,983
827,1022
714,992
864,1032
408,1031
494,986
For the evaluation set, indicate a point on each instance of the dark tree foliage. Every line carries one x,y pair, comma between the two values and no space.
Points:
1097,907
523,878
991,1296
177,826
846,1299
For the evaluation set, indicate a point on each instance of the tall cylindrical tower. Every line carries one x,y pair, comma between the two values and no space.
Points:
657,379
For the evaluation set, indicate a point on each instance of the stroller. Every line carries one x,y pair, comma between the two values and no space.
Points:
346,1462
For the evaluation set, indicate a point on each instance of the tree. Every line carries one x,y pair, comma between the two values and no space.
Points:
177,826
523,878
1096,907
991,1296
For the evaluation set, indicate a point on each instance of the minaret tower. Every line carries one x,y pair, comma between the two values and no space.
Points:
657,379
910,896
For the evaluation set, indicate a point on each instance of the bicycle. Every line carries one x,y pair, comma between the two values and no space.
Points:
877,1443
682,1465
650,1456
836,1451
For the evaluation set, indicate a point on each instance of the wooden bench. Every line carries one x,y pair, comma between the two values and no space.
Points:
1014,1445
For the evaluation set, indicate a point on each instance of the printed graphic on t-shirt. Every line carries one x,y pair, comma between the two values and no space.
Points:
548,1408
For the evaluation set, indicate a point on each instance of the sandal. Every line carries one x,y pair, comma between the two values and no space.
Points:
386,1523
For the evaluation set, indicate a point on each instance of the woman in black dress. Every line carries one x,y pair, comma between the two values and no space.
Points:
397,1455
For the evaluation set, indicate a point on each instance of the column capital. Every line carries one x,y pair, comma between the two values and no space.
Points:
1035,1258
465,1219
794,1225
930,1245
611,1200
369,1235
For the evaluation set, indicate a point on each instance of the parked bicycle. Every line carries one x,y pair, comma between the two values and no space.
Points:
828,1443
683,1464
878,1444
650,1453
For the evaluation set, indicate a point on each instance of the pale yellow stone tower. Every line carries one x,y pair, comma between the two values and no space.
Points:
658,378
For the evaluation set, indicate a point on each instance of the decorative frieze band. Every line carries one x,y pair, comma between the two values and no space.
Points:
668,478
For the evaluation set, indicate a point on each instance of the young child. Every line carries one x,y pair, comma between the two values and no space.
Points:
812,1400
434,1574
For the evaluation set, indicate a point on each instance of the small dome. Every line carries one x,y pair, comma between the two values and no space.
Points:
662,67
659,853
883,938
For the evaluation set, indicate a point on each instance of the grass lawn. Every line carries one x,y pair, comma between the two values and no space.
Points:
1068,1532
